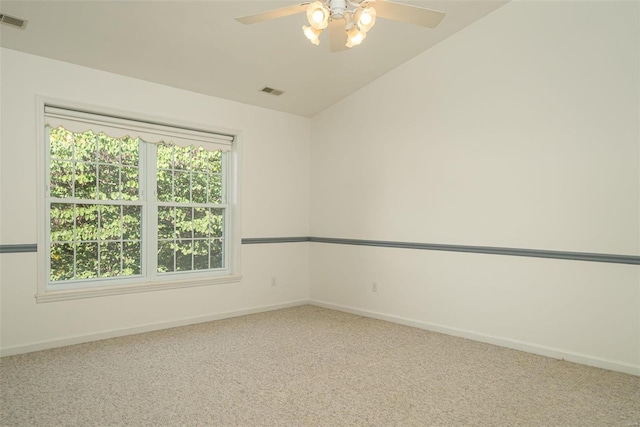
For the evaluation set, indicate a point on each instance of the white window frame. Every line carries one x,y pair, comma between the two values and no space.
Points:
115,286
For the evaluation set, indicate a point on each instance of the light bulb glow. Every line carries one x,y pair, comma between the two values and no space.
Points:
366,19
318,15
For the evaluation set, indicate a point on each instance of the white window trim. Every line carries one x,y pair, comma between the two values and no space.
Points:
169,281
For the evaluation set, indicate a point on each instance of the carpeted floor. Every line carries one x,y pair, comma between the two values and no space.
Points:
307,366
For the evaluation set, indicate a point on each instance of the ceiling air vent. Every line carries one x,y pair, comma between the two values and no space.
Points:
272,91
14,22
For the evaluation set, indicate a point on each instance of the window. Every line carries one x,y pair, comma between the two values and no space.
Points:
135,205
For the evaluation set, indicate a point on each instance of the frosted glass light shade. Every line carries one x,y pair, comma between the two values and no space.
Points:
366,19
355,36
318,15
312,34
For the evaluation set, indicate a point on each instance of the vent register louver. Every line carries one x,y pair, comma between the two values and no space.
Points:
272,91
13,21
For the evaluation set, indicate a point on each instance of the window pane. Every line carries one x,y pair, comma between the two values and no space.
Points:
216,222
131,261
110,259
130,186
86,222
86,260
200,160
108,149
61,262
216,254
200,255
110,223
60,143
199,187
109,182
182,157
61,177
200,223
166,256
184,225
164,179
181,190
129,151
131,222
215,188
85,146
165,157
61,216
183,255
215,162
166,221
85,181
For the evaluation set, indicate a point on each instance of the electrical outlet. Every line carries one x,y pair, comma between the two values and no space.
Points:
273,281
374,287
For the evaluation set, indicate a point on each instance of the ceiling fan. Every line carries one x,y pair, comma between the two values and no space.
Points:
348,21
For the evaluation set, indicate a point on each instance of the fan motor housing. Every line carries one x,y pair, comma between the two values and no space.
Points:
338,8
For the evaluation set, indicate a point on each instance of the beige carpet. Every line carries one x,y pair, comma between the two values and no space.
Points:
307,366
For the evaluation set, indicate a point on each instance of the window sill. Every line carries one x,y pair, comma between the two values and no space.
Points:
69,294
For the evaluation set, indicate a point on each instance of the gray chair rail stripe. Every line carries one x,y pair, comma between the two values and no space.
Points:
4,249
491,250
257,240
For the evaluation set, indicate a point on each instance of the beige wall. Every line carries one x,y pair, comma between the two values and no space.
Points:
275,202
520,131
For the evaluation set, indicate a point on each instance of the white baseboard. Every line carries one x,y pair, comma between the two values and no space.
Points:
79,339
502,342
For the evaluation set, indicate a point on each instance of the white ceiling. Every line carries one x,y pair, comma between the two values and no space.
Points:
198,46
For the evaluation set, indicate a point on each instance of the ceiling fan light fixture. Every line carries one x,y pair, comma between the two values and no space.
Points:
366,18
318,15
355,36
359,17
312,34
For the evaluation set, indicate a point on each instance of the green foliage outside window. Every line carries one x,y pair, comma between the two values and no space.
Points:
189,237
100,240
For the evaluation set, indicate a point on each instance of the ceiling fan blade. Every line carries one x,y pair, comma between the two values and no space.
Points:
337,35
273,14
408,14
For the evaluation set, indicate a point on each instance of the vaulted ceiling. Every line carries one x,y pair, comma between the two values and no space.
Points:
199,46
